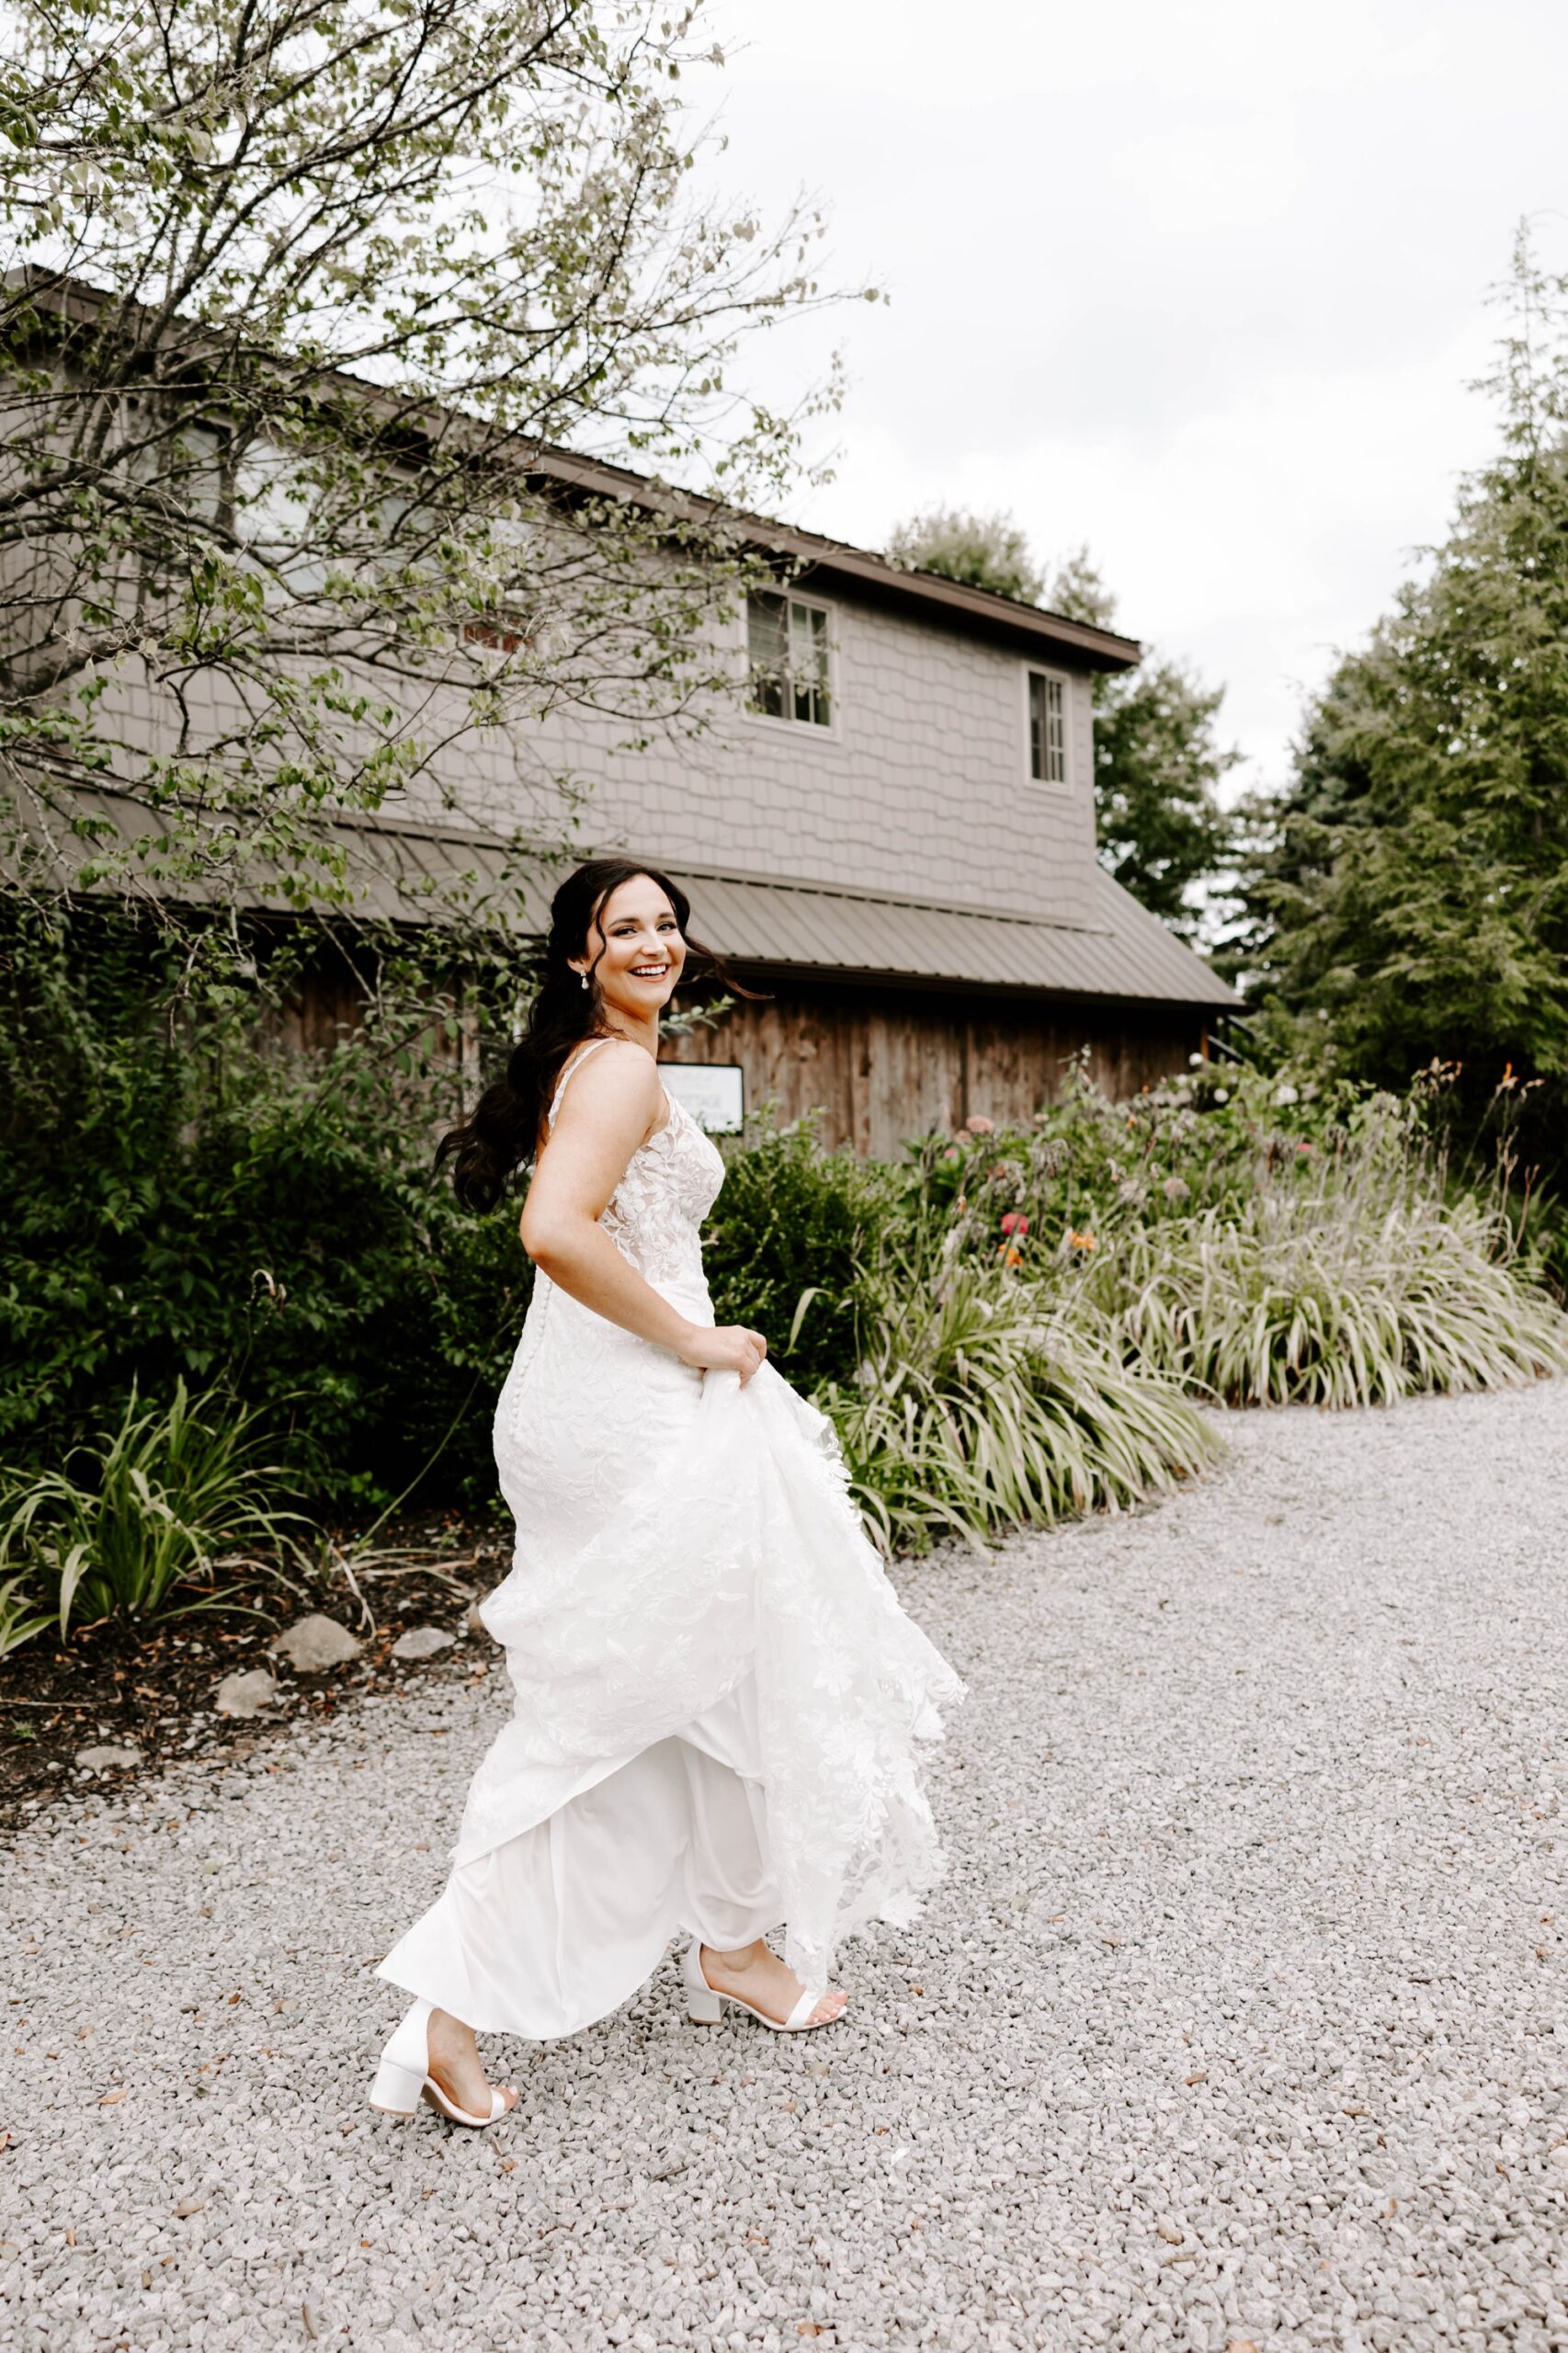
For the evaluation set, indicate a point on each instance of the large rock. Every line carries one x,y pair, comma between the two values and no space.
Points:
313,1645
423,1641
245,1695
99,1760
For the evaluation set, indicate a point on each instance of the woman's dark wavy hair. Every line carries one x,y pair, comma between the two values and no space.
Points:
505,1130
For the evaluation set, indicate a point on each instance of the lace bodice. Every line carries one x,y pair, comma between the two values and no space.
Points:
654,1215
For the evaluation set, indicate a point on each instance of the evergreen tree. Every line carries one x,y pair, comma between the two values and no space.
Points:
1412,881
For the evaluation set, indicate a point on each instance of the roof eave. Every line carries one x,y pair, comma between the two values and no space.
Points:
978,610
828,562
952,984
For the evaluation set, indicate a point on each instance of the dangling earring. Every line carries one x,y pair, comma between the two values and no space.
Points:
584,978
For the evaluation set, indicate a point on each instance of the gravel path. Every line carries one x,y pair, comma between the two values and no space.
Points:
1240,2016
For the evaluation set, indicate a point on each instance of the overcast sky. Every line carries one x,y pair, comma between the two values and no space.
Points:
1202,286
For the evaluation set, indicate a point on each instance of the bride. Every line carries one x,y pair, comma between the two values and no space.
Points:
718,1698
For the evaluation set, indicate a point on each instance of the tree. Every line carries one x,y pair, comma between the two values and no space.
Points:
1411,883
316,310
982,550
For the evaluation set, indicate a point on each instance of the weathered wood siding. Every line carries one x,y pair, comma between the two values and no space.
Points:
324,1010
883,1064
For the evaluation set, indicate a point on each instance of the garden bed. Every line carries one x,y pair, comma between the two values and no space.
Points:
154,1689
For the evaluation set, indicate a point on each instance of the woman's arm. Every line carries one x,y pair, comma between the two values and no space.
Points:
612,1106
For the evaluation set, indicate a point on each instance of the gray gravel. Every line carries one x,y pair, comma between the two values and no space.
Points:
1240,2016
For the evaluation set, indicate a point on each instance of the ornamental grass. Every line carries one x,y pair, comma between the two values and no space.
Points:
978,1407
1331,1300
143,1522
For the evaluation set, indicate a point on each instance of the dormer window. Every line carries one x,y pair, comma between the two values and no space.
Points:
1048,727
787,650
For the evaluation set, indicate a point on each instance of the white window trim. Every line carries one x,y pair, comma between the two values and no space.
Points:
799,731
1064,680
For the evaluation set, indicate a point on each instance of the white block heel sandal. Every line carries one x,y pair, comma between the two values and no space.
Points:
705,2004
403,2077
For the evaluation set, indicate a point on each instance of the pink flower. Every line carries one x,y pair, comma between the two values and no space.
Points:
1015,1222
978,1124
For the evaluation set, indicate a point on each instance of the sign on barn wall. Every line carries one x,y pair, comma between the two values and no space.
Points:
714,1092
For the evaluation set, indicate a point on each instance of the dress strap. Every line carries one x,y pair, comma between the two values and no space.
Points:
574,1062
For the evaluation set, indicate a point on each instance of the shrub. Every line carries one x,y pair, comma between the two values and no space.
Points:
187,1200
140,1524
1261,1239
1087,1166
784,1249
996,1326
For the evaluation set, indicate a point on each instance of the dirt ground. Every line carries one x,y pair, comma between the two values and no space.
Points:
154,1689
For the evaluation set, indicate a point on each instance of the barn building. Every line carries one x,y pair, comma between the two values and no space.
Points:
893,836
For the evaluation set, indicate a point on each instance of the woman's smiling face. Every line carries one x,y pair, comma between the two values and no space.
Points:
644,951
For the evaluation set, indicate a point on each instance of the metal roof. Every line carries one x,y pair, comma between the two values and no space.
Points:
400,871
1119,952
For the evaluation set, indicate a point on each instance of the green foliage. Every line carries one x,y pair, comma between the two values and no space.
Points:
20,1617
1002,1327
1303,1301
140,1524
1260,1237
186,1201
790,1233
1411,885
1062,1190
979,1406
982,551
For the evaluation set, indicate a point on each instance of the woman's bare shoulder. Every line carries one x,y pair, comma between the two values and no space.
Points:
621,1082
632,1059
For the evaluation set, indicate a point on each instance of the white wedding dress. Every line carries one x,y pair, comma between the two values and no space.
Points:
718,1698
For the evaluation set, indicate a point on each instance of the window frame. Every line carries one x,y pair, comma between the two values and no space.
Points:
801,730
1062,679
